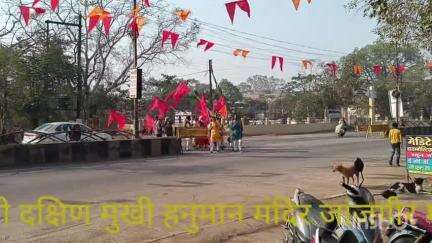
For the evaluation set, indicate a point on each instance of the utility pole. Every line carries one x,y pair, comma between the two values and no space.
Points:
135,66
79,86
79,97
398,74
211,83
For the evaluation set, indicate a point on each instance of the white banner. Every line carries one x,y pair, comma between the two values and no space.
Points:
392,101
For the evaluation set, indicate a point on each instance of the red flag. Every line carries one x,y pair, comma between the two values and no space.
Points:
100,14
281,62
332,67
205,42
201,106
107,24
220,107
400,69
231,8
429,66
116,117
54,4
377,69
39,10
149,123
93,22
170,35
177,95
25,12
147,3
161,105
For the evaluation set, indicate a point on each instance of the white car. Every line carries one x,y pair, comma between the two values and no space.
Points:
58,132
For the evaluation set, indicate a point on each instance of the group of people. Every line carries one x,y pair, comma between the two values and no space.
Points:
164,127
220,132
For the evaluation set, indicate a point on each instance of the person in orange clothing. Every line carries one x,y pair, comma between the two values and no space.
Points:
215,130
395,137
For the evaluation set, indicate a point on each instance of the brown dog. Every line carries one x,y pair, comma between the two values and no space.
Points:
349,172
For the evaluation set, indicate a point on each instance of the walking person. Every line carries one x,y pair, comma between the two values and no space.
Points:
159,127
215,134
236,131
188,124
395,137
168,127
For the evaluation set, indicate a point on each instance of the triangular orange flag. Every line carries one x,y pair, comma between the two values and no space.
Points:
245,53
183,14
237,52
358,70
307,64
296,4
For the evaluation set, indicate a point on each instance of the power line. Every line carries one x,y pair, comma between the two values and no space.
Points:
269,51
272,45
230,30
269,38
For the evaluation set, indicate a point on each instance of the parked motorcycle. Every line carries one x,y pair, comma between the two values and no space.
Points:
402,231
315,229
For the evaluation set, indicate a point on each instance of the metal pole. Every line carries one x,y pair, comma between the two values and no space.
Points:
47,35
79,76
211,83
135,65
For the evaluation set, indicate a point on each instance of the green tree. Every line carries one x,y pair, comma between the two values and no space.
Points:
400,21
230,91
386,55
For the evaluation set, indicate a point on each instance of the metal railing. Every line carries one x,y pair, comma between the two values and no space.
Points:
16,137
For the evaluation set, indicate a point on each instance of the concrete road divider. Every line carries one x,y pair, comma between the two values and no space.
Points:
33,154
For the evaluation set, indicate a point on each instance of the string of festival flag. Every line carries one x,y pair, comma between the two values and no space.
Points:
99,15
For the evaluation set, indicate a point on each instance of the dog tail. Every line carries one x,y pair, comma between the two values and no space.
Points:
358,165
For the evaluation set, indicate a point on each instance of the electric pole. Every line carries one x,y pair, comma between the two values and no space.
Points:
135,66
211,82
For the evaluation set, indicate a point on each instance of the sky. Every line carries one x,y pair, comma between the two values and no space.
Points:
322,25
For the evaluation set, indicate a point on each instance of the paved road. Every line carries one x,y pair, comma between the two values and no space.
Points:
270,165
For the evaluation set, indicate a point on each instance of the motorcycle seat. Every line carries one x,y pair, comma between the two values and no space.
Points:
314,217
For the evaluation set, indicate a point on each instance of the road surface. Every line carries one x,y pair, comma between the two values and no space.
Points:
269,166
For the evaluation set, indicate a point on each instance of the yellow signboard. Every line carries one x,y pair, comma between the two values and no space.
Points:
183,132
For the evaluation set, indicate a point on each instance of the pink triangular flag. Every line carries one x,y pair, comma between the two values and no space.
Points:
281,62
201,42
93,22
209,45
170,35
25,12
231,7
107,24
54,4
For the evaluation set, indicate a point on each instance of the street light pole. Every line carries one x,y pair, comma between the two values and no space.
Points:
79,97
135,66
